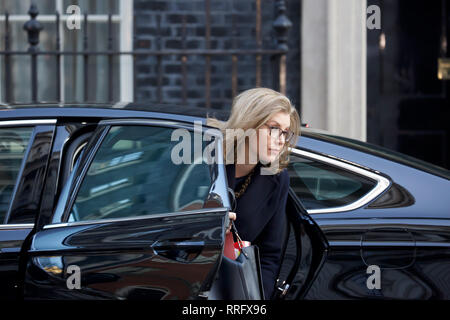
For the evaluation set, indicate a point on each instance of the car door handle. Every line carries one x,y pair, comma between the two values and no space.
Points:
184,243
180,250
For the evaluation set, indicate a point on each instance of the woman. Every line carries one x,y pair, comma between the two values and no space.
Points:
262,125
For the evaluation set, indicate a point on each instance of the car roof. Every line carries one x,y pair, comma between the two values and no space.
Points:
70,108
149,109
121,109
98,111
189,114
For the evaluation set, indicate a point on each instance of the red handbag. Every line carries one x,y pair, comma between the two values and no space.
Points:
229,250
233,244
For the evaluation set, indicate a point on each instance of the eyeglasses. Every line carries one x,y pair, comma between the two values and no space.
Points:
276,133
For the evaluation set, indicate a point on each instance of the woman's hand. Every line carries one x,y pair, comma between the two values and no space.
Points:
232,216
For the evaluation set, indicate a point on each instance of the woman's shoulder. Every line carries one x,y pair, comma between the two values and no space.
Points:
282,180
283,177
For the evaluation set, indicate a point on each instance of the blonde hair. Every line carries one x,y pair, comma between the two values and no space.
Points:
251,109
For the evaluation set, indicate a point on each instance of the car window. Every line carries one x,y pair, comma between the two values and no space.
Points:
320,185
13,145
132,174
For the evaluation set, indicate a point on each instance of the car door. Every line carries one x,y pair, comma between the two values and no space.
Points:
139,218
305,250
24,150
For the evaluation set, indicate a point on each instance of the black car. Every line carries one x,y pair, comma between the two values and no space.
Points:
93,208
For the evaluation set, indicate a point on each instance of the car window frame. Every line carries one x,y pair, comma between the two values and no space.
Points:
34,124
382,182
77,176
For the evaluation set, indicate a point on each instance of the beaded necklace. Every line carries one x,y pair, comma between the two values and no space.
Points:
245,184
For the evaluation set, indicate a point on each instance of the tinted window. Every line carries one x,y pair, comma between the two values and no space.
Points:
13,144
319,185
132,174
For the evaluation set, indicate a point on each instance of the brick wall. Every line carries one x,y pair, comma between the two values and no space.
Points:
171,11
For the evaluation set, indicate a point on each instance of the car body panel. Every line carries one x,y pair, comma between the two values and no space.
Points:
414,266
411,223
164,257
12,238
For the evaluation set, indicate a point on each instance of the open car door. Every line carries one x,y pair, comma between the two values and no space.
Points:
304,253
139,218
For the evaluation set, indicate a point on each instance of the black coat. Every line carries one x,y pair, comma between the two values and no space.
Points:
261,218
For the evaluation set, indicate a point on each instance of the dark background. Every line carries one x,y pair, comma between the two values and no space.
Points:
408,107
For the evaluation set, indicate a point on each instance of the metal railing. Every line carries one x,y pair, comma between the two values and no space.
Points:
33,28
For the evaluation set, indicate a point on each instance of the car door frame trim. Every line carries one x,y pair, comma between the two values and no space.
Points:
382,183
7,123
15,226
137,218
